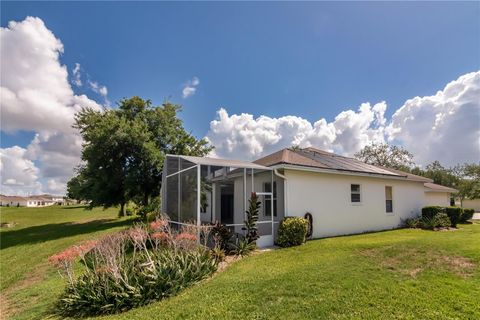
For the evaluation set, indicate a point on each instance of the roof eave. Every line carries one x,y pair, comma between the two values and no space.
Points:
342,172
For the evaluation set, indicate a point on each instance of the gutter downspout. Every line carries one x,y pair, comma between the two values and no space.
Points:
278,174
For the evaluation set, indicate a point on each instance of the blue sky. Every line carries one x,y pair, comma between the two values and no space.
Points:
308,59
304,65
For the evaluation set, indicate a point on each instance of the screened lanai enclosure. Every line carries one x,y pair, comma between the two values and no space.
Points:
201,190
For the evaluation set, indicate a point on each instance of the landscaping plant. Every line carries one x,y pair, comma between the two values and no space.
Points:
252,218
454,213
292,231
131,268
412,223
243,248
431,211
467,215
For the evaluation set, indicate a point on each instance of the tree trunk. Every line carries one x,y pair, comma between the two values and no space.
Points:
121,213
145,199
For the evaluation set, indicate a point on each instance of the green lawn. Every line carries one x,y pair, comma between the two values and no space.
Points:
401,274
29,284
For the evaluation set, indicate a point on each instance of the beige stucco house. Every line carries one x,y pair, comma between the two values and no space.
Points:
343,195
30,201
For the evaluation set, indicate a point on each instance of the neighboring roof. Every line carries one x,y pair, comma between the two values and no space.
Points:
19,198
315,158
12,198
433,187
222,162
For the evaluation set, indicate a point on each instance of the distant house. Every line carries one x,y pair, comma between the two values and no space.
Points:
471,203
13,201
343,195
30,201
438,195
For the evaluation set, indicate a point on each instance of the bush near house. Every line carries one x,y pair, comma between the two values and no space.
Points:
432,211
131,268
292,231
434,217
467,215
454,213
440,220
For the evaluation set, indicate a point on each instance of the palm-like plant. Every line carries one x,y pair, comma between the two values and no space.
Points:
252,218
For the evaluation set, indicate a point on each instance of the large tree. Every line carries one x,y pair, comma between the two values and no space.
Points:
124,150
386,155
469,183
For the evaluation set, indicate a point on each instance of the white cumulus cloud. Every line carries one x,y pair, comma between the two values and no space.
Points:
190,88
444,127
18,174
77,77
243,136
36,95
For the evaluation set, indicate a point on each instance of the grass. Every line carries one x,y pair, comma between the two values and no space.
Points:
400,274
28,284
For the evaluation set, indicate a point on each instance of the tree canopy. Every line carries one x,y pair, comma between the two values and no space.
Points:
463,177
386,155
124,150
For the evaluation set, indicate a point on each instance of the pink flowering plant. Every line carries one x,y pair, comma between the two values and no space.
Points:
130,268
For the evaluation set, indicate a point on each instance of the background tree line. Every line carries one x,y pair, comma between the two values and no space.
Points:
124,149
463,177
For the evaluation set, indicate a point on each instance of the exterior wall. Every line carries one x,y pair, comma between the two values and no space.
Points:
437,199
327,198
471,204
13,203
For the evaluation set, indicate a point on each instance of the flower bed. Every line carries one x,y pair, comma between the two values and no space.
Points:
131,268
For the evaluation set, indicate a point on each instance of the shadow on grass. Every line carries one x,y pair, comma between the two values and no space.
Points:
55,231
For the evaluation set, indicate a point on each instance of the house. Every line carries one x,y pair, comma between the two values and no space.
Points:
40,201
438,195
471,203
30,201
343,195
12,201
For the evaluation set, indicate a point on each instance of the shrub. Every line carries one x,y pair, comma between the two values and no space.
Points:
428,223
218,254
442,220
292,231
153,208
431,211
412,223
467,215
131,268
454,213
221,236
106,291
243,248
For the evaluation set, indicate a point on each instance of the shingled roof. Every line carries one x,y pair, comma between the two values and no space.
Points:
315,158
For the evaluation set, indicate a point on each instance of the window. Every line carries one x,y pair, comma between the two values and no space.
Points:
267,187
355,193
388,199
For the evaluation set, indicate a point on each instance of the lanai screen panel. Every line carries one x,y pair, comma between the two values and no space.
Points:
180,189
188,196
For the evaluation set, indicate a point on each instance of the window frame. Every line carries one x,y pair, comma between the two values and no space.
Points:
354,203
266,199
385,203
